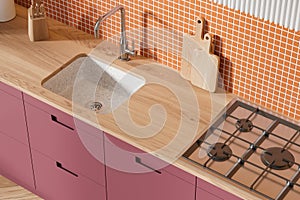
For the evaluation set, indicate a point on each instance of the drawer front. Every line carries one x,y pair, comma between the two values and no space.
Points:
55,181
204,195
181,174
15,162
54,135
147,186
10,90
12,117
124,157
203,185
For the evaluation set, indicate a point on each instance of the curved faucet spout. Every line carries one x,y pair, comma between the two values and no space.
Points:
113,11
110,13
123,41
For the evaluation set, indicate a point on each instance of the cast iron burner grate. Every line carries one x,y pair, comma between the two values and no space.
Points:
267,161
277,158
219,152
244,125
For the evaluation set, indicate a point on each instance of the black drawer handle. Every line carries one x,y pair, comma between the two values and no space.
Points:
56,120
139,161
59,165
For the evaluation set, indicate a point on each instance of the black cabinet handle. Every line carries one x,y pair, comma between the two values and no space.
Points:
59,165
56,120
139,161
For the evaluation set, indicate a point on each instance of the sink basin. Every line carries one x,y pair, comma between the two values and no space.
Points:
90,82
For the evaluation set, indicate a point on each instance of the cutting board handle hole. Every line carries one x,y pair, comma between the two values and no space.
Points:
199,21
207,37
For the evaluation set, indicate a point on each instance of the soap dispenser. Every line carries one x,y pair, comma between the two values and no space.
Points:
7,10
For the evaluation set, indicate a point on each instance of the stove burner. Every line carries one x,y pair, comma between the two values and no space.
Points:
277,158
244,125
219,152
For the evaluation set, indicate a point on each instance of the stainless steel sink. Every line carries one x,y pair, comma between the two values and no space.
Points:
89,82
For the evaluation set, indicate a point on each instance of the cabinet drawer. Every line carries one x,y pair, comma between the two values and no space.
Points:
12,117
56,180
124,157
204,195
10,90
147,186
203,185
54,135
15,161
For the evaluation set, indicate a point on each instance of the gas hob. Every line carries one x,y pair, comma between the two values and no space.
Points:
254,148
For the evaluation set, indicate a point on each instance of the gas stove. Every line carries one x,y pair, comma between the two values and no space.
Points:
254,148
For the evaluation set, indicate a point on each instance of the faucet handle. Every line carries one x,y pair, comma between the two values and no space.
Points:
131,51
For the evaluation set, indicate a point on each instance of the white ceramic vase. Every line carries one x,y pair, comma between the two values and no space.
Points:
7,10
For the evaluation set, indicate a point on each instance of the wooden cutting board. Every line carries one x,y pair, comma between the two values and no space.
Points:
199,64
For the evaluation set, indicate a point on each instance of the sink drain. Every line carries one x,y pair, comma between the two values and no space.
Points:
95,106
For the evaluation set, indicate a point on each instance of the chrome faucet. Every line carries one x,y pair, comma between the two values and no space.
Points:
124,51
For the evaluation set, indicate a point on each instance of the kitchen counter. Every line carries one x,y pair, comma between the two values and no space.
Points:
24,65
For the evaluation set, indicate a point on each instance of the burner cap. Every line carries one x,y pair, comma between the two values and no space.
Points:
277,158
244,125
219,152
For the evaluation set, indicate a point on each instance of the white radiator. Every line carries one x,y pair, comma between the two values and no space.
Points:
283,12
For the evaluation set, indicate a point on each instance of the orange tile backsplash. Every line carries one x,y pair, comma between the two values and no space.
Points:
259,60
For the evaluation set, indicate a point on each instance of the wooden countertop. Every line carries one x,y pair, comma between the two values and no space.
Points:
24,65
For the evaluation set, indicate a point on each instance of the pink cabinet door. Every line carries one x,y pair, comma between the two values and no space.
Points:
121,156
12,117
147,186
54,134
204,195
15,161
56,181
143,180
211,192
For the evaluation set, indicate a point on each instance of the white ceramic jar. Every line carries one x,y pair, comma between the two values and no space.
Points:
7,10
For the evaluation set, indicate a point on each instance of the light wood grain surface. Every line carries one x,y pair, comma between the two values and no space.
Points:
11,191
24,65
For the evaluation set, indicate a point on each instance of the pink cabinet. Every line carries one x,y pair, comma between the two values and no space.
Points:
15,157
55,181
148,186
207,191
143,180
12,117
68,157
15,161
53,133
205,195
